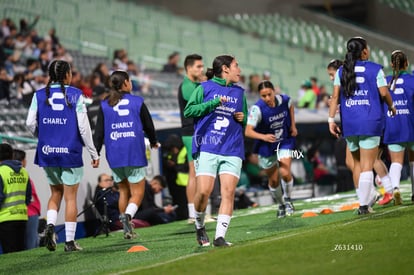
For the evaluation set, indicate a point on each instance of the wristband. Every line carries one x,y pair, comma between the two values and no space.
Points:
331,119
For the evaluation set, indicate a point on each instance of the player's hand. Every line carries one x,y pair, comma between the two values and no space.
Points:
155,146
168,209
239,116
223,99
392,111
293,131
95,163
334,129
269,138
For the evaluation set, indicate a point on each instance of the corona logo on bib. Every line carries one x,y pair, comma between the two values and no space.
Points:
47,149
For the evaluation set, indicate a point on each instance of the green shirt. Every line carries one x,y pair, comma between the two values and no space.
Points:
185,91
197,108
308,100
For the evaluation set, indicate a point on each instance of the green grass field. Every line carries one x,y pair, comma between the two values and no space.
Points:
338,243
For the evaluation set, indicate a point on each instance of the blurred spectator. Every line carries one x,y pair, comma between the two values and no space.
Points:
256,175
102,71
5,27
106,201
25,27
242,82
266,75
254,80
120,60
85,87
148,210
5,81
241,199
52,39
174,164
39,79
14,199
172,64
321,173
31,66
76,79
315,86
62,54
98,88
308,100
24,90
323,98
44,60
33,209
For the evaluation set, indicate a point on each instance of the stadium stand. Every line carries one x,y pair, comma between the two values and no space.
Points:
403,5
289,48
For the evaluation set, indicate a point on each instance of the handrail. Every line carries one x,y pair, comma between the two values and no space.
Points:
20,139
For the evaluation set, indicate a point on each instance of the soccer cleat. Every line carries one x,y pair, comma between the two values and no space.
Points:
281,212
396,195
50,237
221,242
127,226
412,197
291,203
364,210
374,199
386,199
289,208
72,246
202,237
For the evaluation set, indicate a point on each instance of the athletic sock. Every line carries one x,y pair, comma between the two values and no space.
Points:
386,183
51,216
277,194
365,180
223,222
358,193
70,230
131,209
395,174
191,210
199,219
287,188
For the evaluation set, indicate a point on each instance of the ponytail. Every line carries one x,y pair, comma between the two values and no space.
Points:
116,81
58,70
218,63
355,46
399,61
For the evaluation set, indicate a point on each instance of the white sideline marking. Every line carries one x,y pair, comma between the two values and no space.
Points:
264,240
373,215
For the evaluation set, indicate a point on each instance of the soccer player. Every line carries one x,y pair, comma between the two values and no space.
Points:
122,120
194,67
271,123
219,109
57,115
359,86
399,130
379,166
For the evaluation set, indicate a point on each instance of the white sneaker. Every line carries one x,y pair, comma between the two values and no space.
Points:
374,199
